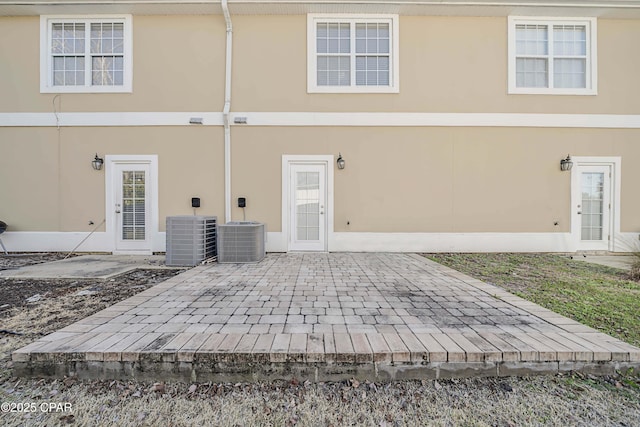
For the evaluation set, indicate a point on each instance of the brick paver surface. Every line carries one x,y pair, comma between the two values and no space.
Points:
350,292
330,308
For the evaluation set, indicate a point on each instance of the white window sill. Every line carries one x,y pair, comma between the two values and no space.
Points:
353,89
546,91
85,89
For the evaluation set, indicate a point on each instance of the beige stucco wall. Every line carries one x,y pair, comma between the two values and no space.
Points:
178,65
396,180
54,188
447,64
434,179
29,188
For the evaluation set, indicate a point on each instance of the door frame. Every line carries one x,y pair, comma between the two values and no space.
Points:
289,160
111,163
614,163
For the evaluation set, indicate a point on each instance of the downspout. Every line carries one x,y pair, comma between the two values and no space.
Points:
225,114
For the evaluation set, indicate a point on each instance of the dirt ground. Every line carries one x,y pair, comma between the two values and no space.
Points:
67,300
563,400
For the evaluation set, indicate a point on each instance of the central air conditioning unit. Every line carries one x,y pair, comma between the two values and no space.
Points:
241,242
191,239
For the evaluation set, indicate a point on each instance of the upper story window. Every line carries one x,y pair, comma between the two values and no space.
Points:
85,54
552,56
347,53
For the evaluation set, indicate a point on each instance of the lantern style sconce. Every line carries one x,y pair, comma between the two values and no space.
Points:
340,161
566,164
97,163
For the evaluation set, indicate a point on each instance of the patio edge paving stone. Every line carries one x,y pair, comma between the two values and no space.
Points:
361,348
297,348
489,352
454,352
509,352
399,351
437,353
417,352
379,347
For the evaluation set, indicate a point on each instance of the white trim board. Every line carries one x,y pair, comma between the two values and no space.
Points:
108,119
52,241
61,241
391,119
442,120
451,242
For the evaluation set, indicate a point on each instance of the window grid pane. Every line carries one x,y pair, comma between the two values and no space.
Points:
68,70
333,38
531,72
133,205
107,49
307,206
99,43
570,40
107,38
371,56
67,38
551,56
592,205
570,73
334,71
570,49
372,70
372,38
107,70
532,50
68,48
532,40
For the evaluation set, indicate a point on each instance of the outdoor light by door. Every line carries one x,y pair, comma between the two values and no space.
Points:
566,164
97,163
340,161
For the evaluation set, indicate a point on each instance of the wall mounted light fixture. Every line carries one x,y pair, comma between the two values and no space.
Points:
566,164
97,163
340,161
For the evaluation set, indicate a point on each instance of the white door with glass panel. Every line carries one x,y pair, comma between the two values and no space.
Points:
307,207
593,211
132,207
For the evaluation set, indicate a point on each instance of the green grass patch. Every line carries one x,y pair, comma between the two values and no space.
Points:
601,297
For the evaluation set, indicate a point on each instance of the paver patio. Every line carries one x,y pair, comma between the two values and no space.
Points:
322,316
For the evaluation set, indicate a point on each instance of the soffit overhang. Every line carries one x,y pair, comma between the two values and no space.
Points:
618,9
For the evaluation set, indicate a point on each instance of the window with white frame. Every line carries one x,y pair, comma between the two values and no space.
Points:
552,56
85,54
352,54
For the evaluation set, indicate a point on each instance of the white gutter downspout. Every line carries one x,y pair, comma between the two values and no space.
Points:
225,114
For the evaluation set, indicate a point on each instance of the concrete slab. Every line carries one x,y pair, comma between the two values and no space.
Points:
622,262
423,320
86,267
